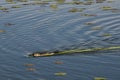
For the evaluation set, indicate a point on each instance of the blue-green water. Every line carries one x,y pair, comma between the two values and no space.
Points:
39,28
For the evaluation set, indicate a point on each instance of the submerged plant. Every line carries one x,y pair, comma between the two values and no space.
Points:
54,6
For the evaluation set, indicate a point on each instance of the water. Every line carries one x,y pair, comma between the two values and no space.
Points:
39,28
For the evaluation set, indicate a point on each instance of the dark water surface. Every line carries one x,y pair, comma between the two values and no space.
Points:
39,28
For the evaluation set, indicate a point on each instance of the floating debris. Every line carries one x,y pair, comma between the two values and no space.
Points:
25,4
115,10
1,31
100,78
60,74
5,10
28,64
89,23
58,62
8,24
30,69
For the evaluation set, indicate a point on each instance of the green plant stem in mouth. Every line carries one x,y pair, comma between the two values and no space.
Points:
88,50
54,53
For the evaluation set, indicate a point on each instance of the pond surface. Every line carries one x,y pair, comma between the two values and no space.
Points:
34,28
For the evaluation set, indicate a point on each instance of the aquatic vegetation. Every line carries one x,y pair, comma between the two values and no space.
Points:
9,0
110,1
96,28
76,10
1,31
100,78
69,3
60,1
54,6
28,30
60,74
88,3
88,15
115,10
100,1
106,8
80,10
17,6
107,34
38,2
3,8
78,2
22,0
12,2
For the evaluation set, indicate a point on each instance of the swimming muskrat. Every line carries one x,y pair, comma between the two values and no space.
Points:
42,54
54,53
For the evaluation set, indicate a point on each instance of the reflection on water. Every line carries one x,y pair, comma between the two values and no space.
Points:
29,28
